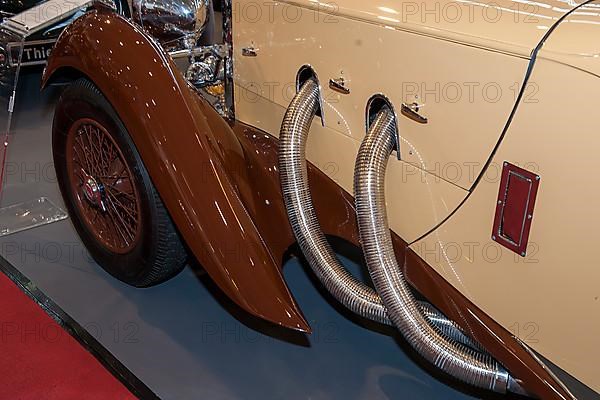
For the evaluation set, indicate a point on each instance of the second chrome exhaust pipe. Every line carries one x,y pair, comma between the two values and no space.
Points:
468,365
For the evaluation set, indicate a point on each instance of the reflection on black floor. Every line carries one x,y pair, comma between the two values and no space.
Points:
182,338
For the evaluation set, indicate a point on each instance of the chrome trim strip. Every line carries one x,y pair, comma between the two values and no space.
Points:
546,368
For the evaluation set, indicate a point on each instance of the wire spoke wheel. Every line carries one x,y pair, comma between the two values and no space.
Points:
114,206
102,186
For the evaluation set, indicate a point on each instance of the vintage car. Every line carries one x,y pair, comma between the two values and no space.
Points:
447,140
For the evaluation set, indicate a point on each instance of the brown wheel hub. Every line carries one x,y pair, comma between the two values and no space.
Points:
102,186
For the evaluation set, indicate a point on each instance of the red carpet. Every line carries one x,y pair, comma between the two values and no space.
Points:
41,361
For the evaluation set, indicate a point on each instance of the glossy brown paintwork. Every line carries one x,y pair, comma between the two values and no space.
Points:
188,151
335,208
197,161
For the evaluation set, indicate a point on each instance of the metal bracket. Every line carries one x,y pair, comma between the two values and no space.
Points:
249,51
339,85
412,111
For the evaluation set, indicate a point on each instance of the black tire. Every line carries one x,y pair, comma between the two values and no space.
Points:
157,253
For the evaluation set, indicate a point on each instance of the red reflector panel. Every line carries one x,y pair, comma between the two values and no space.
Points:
514,208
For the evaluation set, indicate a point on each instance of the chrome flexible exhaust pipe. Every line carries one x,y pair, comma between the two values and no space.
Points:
344,287
466,364
447,327
355,295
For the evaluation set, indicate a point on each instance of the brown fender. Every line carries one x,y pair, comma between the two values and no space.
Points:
192,155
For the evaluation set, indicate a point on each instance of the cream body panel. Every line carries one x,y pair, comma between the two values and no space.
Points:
510,26
551,298
461,92
422,199
575,41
